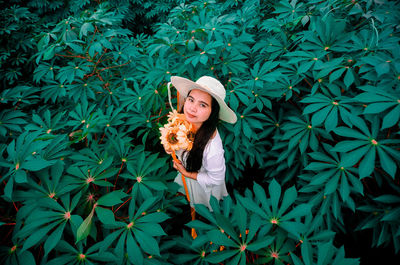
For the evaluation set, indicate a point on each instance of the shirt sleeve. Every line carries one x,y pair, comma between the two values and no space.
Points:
212,172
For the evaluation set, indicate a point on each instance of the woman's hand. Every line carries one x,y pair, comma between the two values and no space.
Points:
178,166
168,151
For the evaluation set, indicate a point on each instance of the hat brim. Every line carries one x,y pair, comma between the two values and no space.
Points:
184,85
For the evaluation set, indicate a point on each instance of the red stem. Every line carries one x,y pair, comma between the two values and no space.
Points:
122,204
120,169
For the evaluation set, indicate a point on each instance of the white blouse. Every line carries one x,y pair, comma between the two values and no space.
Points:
211,176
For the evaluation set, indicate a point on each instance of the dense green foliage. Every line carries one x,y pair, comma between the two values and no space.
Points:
315,85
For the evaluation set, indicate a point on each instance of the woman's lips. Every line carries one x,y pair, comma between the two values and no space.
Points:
190,115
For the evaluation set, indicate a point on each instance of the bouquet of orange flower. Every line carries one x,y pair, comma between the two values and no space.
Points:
177,134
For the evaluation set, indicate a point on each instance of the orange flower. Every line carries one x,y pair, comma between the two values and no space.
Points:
177,133
175,118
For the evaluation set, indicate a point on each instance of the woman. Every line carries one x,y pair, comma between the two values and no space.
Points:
204,165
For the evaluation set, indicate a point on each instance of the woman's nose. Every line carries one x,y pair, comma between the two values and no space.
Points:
192,108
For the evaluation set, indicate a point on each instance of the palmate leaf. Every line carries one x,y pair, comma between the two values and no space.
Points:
152,72
383,217
232,228
152,100
248,123
332,174
123,148
239,94
44,72
57,149
95,157
365,148
301,133
327,33
13,95
380,100
69,73
53,91
112,119
234,61
324,254
11,121
137,236
307,59
192,251
264,73
47,122
131,98
83,176
278,251
68,254
143,168
327,110
83,116
47,221
84,90
236,236
274,214
23,156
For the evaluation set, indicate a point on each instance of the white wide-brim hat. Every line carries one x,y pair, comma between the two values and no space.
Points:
207,84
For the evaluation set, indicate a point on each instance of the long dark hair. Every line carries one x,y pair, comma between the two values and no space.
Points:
195,156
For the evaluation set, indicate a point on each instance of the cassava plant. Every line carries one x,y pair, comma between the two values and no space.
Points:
314,157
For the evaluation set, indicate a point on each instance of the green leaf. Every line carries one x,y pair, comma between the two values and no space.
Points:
53,239
260,194
36,236
146,242
354,157
298,211
306,252
218,257
367,165
20,176
106,216
392,215
347,132
260,243
349,78
275,193
391,118
134,254
49,53
84,229
289,198
332,120
331,185
26,258
112,198
226,225
220,239
344,188
388,198
387,163
336,74
36,164
379,107
346,146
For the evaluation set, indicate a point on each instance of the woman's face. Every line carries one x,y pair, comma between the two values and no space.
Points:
197,107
